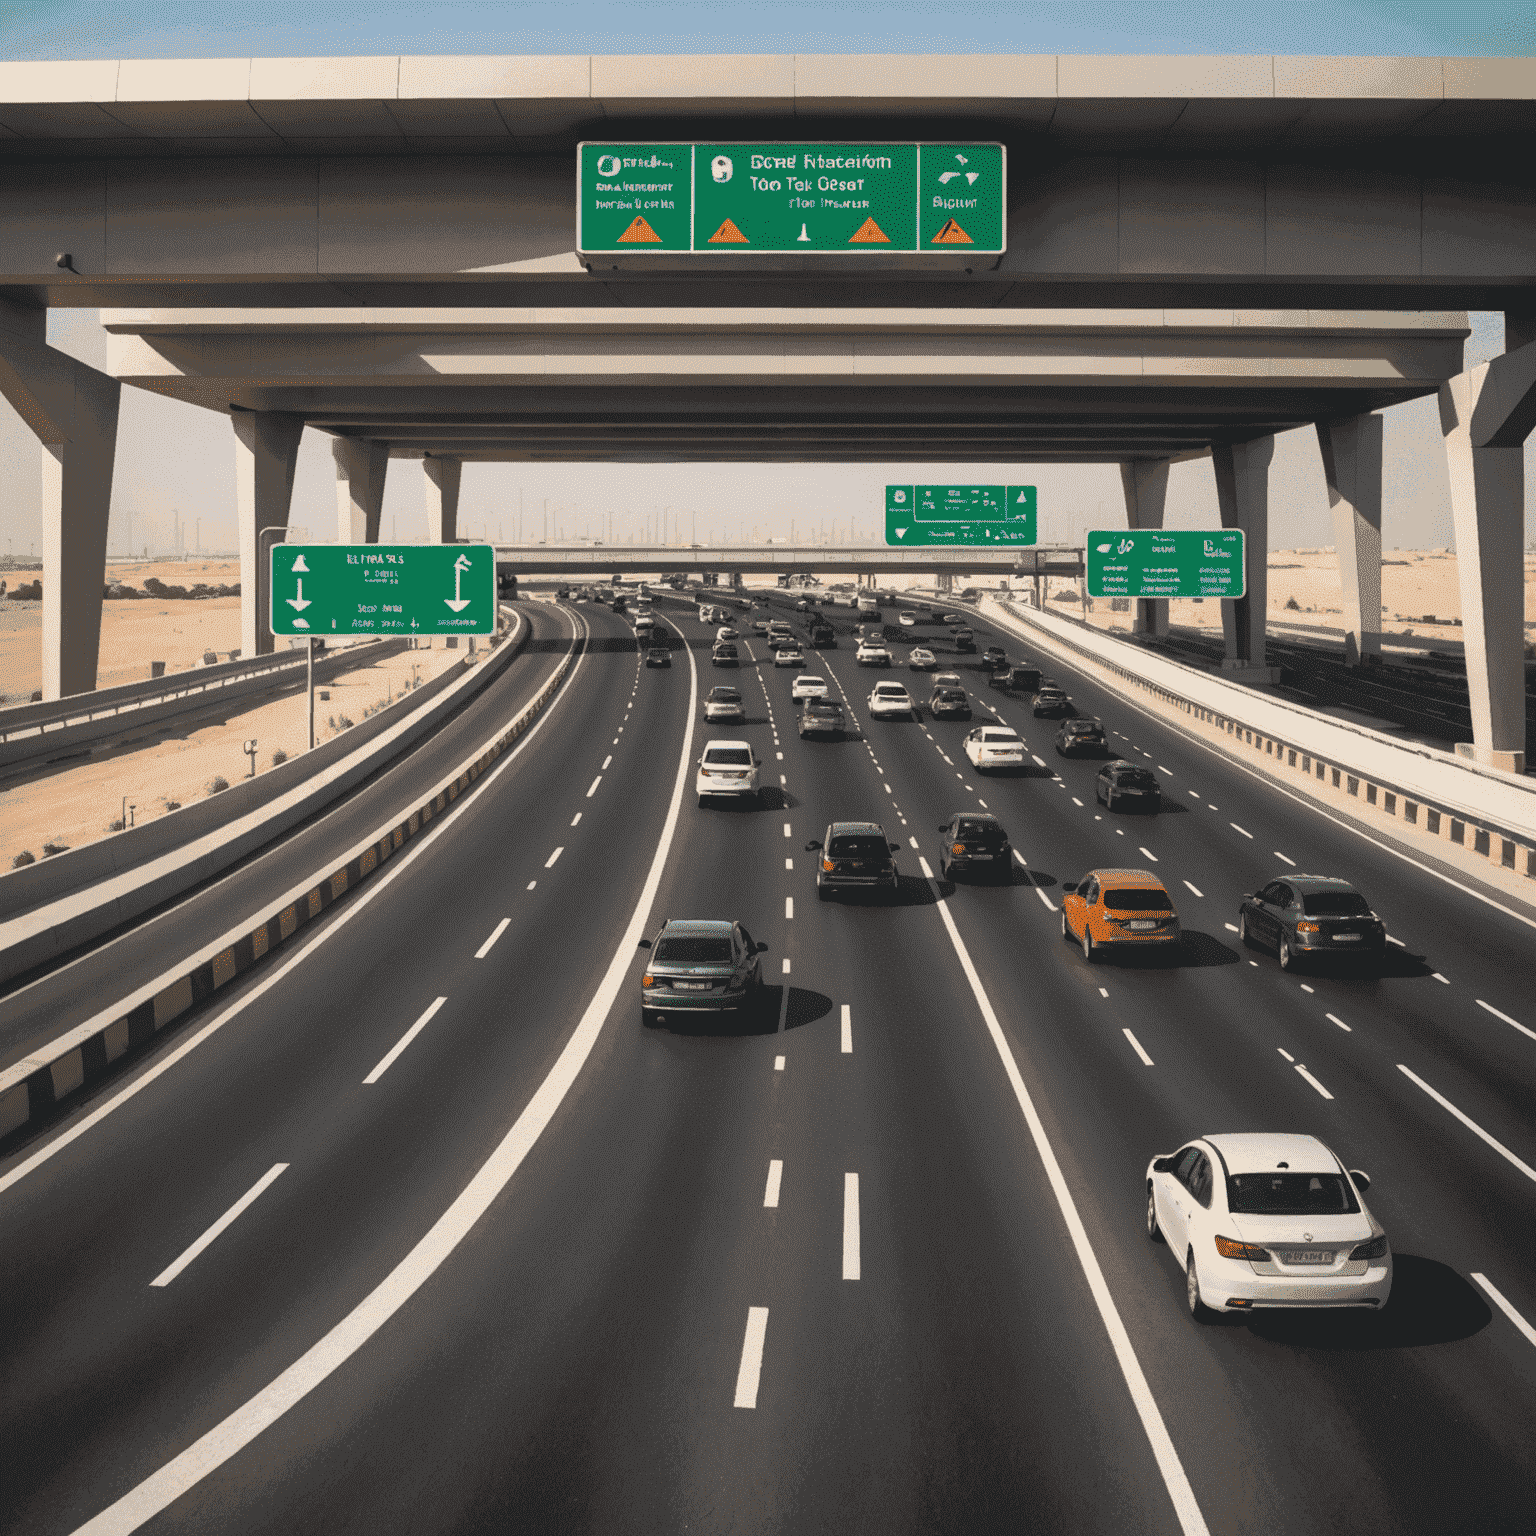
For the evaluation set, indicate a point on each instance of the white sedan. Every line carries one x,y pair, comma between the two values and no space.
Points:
871,655
789,656
1267,1219
725,632
907,620
922,659
890,701
809,686
727,768
994,746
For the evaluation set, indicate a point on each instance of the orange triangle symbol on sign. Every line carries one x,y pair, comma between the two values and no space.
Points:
728,234
952,234
639,231
869,233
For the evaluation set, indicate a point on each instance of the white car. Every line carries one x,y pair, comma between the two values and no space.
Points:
994,746
871,655
890,701
789,656
809,686
907,620
922,659
725,632
727,768
724,703
1267,1219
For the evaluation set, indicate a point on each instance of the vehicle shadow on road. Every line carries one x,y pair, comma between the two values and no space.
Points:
1430,1304
805,1007
597,644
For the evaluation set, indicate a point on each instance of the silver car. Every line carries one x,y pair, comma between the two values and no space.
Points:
700,966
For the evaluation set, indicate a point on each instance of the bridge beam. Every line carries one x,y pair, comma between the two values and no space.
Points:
1351,450
266,453
1242,492
1145,484
360,470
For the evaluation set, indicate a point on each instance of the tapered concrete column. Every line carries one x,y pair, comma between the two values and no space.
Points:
1486,415
360,471
1242,493
1351,451
73,410
266,451
1145,484
441,479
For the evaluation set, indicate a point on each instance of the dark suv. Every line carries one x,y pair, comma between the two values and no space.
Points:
822,717
1303,916
855,856
1081,734
1124,786
700,966
974,844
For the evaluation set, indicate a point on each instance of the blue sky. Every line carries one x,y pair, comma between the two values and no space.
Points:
80,29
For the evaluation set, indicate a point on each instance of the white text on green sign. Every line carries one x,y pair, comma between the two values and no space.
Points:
383,589
1156,562
960,515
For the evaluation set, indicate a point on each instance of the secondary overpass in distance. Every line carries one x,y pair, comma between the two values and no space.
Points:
589,562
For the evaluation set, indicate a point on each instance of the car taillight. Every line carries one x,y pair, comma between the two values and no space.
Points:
647,980
1230,1248
1306,928
958,848
1375,1249
826,865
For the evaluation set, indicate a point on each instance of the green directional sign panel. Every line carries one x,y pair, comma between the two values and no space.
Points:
960,514
383,589
733,199
1157,562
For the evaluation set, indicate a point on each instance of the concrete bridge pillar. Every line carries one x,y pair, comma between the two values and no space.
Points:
1242,492
73,411
441,478
1145,483
266,451
360,471
1351,451
1486,415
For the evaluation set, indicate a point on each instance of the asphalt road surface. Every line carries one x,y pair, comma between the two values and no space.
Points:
495,1257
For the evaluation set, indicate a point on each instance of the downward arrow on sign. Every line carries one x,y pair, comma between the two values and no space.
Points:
901,533
457,603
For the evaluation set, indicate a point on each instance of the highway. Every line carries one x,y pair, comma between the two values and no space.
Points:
432,1235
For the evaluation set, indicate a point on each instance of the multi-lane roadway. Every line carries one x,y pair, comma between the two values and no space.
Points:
433,1235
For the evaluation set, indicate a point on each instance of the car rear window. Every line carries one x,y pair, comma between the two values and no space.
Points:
1335,904
1290,1194
810,677
859,846
694,949
727,649
725,695
1137,778
1001,736
1129,900
950,696
741,755
890,690
978,829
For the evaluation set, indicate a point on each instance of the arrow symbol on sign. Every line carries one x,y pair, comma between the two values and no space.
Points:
901,533
299,603
457,603
299,568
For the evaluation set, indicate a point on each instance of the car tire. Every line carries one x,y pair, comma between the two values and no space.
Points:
1198,1310
1284,954
1090,950
647,1018
822,893
1242,930
1066,932
1154,1231
702,799
1109,802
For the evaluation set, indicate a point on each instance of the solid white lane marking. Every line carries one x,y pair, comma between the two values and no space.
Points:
576,819
786,829
1191,1521
786,965
403,1041
496,933
595,782
750,1371
1314,1082
1441,979
1470,1123
789,906
549,863
1285,1053
847,1040
778,1063
1505,1307
1514,1023
606,762
1146,1060
1333,1018
1150,854
775,1174
851,1262
1236,828
1197,891
1284,860
229,1217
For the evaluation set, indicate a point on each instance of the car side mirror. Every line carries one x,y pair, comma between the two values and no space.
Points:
762,948
943,826
895,847
812,847
645,943
1164,1164
1362,1179
1249,896
1069,887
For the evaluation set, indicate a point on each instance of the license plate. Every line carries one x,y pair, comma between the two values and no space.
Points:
1308,1256
1143,925
980,856
691,986
1346,938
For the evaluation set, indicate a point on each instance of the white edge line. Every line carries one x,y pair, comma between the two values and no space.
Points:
1505,1307
1471,1124
402,1042
1514,1023
227,1220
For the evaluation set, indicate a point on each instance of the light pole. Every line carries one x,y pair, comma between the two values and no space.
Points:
250,751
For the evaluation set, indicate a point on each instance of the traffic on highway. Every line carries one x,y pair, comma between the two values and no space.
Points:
845,1070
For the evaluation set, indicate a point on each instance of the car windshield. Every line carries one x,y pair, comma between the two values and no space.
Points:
694,949
1127,900
858,845
726,755
1335,904
1010,737
1290,1194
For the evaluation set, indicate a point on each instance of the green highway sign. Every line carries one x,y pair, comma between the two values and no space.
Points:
733,199
383,589
1156,562
960,514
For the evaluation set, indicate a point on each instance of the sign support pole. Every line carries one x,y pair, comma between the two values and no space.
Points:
311,647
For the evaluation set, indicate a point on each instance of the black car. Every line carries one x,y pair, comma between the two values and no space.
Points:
658,656
965,639
823,637
709,966
562,594
855,856
1124,786
974,844
821,717
994,656
1082,733
1017,679
1308,916
949,704
620,604
725,655
1051,704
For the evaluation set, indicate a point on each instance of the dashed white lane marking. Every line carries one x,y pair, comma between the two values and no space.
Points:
1148,852
228,1219
775,1174
1469,1122
1198,892
779,756
595,782
786,965
1103,991
1284,860
1119,832
1398,942
1513,1023
786,829
496,933
1306,988
749,1373
1146,1060
778,1063
789,863
576,819
1211,807
1333,1018
1285,1053
1076,801
549,863
1441,979
847,1037
615,740
851,1263
606,762
1230,927
1504,1306
913,841
1191,794
1168,771
789,906
782,779
1039,760
404,1041
1307,1076
1246,833
531,884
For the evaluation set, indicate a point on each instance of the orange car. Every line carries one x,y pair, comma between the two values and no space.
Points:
1114,907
